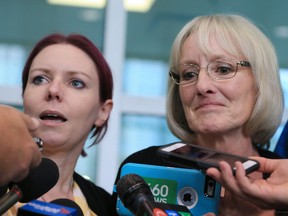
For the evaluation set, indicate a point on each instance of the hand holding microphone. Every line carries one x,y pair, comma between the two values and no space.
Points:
39,181
18,152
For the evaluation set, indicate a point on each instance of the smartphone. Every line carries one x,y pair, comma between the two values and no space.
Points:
194,156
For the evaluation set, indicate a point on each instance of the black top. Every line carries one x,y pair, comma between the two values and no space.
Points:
150,156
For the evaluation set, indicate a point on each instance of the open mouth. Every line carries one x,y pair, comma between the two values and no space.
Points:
52,117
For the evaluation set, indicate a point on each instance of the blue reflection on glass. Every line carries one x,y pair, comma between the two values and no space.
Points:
145,77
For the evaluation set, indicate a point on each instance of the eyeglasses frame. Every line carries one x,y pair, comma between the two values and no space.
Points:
176,76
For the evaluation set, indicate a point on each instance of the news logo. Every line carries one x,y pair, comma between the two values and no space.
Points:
165,191
36,207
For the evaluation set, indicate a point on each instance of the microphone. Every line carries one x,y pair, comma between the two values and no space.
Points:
136,196
56,207
69,203
39,181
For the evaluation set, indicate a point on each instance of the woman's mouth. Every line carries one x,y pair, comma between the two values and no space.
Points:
56,117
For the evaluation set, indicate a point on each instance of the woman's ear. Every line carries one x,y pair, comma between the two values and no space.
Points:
104,113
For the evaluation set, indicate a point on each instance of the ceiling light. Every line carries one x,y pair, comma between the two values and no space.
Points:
129,5
138,5
80,3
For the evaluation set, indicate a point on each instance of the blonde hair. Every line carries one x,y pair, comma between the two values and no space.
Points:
239,37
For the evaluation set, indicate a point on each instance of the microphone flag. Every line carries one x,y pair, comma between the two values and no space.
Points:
39,208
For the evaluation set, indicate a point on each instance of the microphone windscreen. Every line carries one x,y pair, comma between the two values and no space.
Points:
130,186
69,203
39,180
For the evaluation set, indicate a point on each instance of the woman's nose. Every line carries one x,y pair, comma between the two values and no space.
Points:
204,82
55,91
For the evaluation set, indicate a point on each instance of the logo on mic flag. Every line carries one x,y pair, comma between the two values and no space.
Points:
37,207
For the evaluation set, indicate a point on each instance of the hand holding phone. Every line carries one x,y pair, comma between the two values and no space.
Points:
194,156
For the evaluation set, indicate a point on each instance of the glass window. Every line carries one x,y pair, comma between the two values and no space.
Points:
12,59
142,131
26,21
143,77
86,166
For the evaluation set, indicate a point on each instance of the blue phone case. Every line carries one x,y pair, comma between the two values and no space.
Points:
180,186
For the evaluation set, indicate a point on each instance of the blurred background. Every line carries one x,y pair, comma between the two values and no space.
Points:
136,41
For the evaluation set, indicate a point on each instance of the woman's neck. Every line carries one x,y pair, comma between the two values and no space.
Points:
64,186
239,145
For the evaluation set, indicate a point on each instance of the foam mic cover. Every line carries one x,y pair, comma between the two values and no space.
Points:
39,180
69,203
135,194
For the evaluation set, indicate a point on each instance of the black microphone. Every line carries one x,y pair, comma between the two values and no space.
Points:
69,203
38,182
135,194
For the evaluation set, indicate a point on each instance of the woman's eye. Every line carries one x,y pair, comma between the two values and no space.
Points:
223,70
38,80
77,84
189,76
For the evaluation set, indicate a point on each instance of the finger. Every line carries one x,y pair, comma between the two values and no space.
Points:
214,173
19,175
228,179
266,165
31,122
209,214
242,179
245,183
240,171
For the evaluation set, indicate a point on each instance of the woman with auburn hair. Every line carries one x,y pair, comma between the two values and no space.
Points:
68,87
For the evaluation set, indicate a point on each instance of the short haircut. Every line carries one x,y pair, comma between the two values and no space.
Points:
240,37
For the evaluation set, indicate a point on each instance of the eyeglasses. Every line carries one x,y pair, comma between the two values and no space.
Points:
221,69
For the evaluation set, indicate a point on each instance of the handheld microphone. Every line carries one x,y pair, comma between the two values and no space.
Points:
69,203
39,208
136,196
39,181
